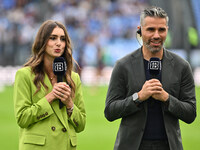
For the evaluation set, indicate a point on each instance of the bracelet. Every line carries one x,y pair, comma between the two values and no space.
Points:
70,109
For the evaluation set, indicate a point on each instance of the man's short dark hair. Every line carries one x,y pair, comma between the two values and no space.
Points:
153,12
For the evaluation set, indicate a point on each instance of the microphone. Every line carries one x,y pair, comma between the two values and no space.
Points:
59,69
154,67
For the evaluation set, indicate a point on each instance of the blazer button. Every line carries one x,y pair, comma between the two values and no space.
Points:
64,130
53,128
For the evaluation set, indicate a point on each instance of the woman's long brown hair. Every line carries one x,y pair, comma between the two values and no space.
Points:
36,61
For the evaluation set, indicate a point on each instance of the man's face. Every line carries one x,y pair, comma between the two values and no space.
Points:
154,33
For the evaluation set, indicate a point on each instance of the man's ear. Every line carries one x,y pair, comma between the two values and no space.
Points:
139,31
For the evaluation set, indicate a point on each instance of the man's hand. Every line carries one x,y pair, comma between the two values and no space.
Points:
153,88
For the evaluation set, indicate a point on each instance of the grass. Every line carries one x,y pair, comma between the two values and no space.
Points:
191,132
8,126
99,134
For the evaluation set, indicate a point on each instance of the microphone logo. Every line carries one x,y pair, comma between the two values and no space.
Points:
154,65
58,66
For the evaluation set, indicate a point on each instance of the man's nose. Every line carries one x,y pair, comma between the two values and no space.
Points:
156,35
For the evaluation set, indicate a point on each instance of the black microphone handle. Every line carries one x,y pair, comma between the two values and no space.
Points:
152,76
60,79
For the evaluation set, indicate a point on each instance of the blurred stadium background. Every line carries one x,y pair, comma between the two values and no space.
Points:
102,31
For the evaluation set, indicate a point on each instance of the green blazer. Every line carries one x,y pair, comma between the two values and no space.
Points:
44,126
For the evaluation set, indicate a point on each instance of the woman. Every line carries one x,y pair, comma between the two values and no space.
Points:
43,125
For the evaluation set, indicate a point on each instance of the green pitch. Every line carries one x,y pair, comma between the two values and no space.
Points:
99,134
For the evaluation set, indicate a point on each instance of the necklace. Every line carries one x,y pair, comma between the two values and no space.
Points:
51,78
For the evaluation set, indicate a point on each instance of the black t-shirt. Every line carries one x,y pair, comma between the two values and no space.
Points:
155,128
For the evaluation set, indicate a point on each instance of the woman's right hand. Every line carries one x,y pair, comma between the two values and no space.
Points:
50,97
60,91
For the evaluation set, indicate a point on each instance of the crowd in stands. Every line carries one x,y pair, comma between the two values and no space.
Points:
101,30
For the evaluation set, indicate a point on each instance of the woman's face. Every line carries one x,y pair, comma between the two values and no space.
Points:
56,43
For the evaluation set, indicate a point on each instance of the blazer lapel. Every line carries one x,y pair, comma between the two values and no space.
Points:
138,71
167,70
59,112
55,104
138,68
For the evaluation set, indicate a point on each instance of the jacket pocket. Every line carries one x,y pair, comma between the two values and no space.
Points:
34,139
73,140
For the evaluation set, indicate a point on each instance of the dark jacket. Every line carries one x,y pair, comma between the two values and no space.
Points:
128,77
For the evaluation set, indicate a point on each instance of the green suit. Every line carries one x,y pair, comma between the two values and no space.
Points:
44,126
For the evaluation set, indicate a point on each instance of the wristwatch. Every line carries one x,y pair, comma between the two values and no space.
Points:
135,98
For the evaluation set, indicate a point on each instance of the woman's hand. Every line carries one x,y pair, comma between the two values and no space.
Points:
61,91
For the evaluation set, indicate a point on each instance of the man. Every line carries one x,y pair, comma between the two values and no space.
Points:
151,106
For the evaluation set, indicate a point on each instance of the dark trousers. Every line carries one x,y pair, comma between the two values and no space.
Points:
154,145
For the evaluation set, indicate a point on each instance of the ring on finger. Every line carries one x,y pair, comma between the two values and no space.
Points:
62,94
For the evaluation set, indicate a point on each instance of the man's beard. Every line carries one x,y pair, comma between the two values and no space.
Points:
153,49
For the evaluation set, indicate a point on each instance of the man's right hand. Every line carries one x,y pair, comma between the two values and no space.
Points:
149,88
